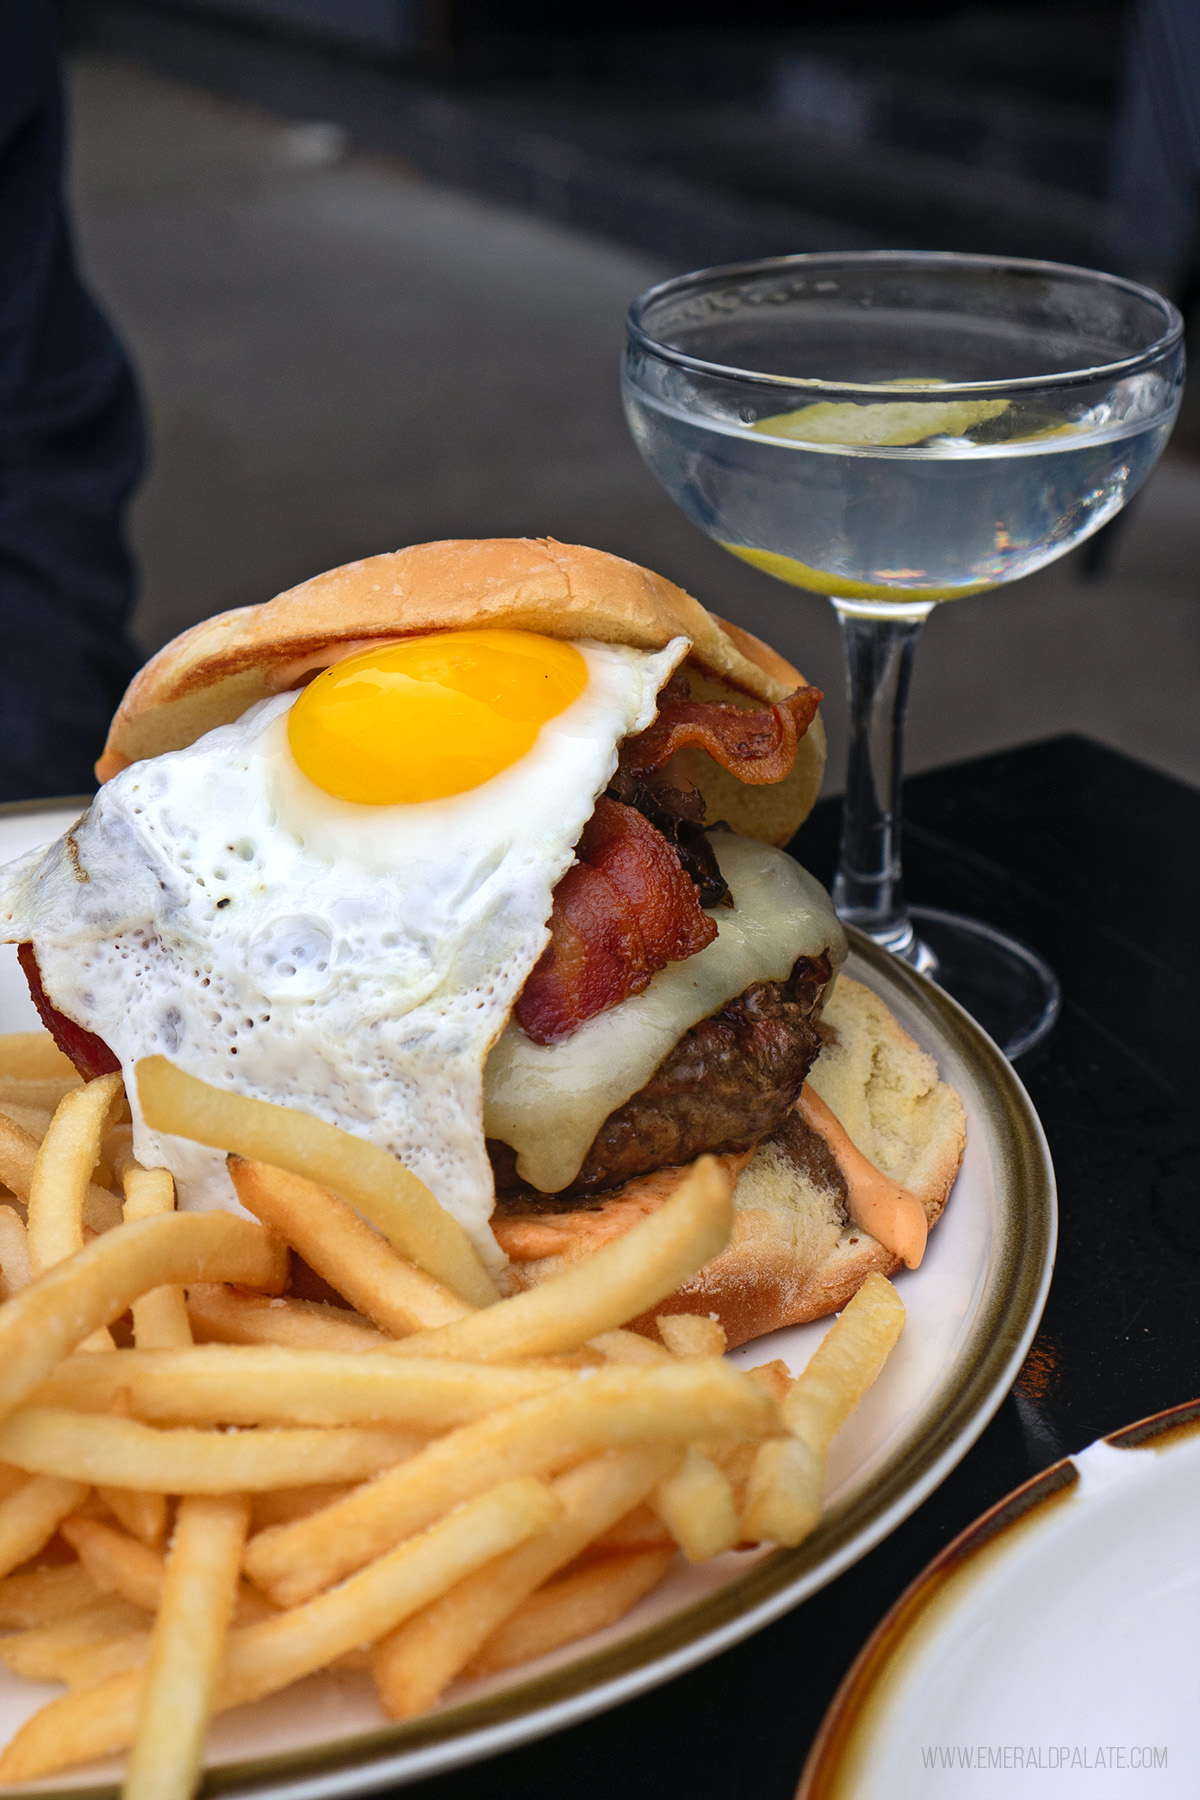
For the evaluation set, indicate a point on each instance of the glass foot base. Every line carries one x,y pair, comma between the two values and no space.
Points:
1004,985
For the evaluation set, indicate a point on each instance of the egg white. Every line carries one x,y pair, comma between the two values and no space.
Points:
217,907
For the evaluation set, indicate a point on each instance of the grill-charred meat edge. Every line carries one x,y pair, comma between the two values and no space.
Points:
730,1081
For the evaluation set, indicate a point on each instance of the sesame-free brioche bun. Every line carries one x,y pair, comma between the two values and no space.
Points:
793,1256
210,675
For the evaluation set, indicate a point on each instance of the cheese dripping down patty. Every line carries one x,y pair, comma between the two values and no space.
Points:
548,1102
356,961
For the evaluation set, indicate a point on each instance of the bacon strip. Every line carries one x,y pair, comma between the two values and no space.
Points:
90,1054
758,747
622,912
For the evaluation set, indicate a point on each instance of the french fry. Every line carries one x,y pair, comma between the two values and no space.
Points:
62,1170
414,1664
185,1654
218,1315
142,1514
696,1504
34,1056
371,1181
43,1596
33,1119
116,1563
44,1092
11,1479
31,1515
41,1653
629,1348
18,1154
783,1501
573,1607
610,1407
62,1307
286,1504
15,1272
217,1384
260,1659
625,1277
123,1453
641,1529
690,1334
160,1320
116,1155
82,1666
349,1253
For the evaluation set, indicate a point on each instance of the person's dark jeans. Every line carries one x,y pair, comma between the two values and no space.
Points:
71,449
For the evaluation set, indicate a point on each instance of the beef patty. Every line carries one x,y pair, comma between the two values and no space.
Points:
728,1083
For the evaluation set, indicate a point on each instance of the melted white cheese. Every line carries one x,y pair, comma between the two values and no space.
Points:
549,1101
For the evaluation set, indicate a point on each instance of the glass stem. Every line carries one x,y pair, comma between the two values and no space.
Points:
868,890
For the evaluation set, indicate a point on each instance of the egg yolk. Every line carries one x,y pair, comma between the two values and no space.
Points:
431,716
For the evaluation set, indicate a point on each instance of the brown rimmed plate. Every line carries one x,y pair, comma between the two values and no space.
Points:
1052,1648
973,1307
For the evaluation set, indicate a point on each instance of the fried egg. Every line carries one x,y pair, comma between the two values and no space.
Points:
334,902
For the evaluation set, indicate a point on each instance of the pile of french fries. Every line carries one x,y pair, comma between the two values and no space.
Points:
211,1487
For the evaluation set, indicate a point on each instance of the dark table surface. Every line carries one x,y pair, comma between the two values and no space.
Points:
1093,859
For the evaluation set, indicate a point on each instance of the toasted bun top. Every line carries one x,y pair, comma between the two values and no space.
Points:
212,673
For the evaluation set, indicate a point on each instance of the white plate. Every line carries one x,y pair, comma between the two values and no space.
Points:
973,1307
1053,1649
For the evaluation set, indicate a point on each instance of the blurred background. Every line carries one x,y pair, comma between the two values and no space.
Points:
371,259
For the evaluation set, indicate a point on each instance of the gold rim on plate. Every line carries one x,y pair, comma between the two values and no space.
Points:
841,1739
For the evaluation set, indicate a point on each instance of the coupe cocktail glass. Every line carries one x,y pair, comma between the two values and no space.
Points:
895,429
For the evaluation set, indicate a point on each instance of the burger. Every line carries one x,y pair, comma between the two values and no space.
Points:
476,851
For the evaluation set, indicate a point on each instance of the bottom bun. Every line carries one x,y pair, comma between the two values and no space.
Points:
794,1255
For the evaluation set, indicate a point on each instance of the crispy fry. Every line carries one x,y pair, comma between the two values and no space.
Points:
696,1503
641,1529
43,1596
11,1479
630,1348
160,1320
30,1516
18,1154
33,1119
84,1665
60,1308
185,1655
609,1407
34,1056
370,1180
775,1376
116,1155
142,1514
116,1563
286,1504
349,1253
690,1334
573,1607
415,1664
219,1315
623,1278
15,1272
62,1170
262,1658
124,1453
783,1500
39,1654
44,1092
218,1384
